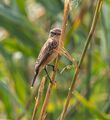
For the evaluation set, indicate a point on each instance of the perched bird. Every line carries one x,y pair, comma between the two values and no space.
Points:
48,52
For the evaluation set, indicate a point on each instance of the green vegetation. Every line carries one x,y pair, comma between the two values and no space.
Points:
24,27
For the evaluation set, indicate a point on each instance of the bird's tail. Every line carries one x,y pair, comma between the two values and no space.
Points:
35,76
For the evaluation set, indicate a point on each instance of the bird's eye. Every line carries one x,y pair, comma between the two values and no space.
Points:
53,33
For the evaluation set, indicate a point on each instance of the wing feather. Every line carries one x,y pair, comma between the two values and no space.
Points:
46,51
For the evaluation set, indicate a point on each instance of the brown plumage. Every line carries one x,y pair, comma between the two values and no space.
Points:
48,52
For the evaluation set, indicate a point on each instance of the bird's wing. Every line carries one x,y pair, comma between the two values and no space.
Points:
46,51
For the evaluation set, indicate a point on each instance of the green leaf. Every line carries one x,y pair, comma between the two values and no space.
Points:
8,100
13,45
22,6
19,27
91,107
52,5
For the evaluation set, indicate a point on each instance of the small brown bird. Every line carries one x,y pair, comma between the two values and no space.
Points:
48,52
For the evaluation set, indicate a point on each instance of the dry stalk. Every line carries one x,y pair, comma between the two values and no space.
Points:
93,25
65,18
49,90
38,99
43,110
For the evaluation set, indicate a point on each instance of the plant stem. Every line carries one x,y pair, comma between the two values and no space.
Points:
95,18
43,110
61,44
39,96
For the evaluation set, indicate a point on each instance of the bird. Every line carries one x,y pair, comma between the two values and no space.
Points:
48,52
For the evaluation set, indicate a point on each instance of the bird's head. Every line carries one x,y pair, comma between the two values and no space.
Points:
55,33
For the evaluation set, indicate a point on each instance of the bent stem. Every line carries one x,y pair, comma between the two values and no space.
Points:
95,18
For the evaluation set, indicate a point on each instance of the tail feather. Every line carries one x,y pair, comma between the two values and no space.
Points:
35,76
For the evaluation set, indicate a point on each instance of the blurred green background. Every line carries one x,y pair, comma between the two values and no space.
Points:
24,27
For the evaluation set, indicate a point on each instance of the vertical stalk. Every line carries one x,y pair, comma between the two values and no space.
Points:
61,42
43,110
95,18
39,96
